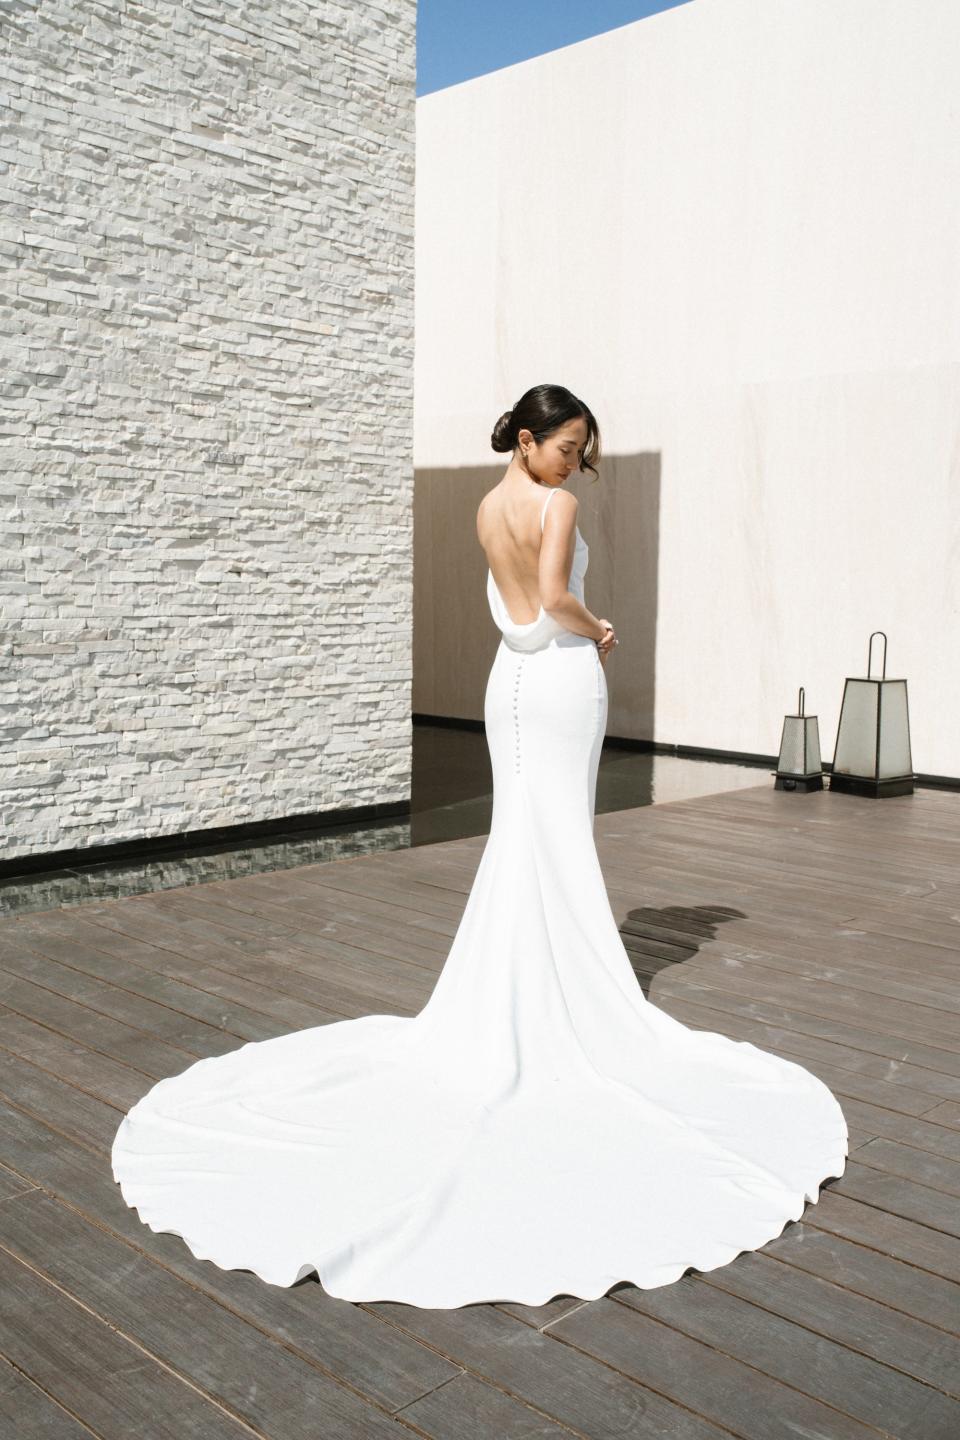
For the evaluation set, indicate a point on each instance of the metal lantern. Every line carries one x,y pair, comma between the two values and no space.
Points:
798,765
872,755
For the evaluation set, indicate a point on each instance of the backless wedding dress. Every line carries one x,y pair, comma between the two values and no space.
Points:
540,1127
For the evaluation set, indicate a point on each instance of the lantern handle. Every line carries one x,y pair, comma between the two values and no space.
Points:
870,655
800,702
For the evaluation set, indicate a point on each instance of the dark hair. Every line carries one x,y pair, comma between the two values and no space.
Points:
541,411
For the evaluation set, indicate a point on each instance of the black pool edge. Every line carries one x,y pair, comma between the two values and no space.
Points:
324,822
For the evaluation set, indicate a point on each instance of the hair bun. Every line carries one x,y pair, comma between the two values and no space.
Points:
503,438
541,411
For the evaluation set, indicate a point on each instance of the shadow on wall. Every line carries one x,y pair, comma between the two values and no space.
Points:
454,636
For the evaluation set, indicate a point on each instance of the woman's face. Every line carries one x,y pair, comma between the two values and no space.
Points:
560,453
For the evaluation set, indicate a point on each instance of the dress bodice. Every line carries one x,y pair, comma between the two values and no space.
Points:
534,634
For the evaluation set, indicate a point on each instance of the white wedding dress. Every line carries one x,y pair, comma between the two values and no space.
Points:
540,1127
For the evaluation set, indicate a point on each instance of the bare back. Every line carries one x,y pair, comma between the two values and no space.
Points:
524,561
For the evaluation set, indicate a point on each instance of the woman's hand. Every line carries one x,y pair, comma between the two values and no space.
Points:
606,644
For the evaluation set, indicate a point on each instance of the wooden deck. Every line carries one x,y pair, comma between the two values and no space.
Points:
824,927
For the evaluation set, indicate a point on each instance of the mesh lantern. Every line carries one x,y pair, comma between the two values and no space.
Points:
798,765
872,754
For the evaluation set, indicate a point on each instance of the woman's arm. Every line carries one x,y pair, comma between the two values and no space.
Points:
556,558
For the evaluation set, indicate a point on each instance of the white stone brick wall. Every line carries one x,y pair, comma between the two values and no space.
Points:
206,327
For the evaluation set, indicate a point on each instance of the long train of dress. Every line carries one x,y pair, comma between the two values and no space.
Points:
540,1127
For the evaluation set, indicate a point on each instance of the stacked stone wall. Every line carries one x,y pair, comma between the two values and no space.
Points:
206,321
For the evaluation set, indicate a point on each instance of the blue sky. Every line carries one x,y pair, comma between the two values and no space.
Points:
458,39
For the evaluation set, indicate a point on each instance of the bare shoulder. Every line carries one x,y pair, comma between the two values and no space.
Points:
563,508
480,516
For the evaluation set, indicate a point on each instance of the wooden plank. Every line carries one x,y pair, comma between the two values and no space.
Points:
856,1138
12,1184
571,1388
752,882
540,1316
847,1085
807,1050
848,1046
905,1198
742,879
343,987
341,917
118,932
909,1163
829,1307
317,953
892,1234
937,988
886,922
341,1339
466,1408
851,1077
423,928
777,943
923,1134
30,1414
315,908
864,1271
908,1100
98,1032
250,1374
83,1117
854,974
110,1384
362,876
208,1011
923,1068
94,1073
816,940
947,1114
360,972
871,1328
830,1359
732,1393
918,1021
118,1003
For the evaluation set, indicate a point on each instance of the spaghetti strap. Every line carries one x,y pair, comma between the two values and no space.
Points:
544,510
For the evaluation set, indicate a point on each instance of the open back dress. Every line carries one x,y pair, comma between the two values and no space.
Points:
540,1127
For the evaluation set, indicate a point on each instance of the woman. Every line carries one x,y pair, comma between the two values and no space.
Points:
540,1127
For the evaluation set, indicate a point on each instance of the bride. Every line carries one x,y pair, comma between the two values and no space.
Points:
540,1127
